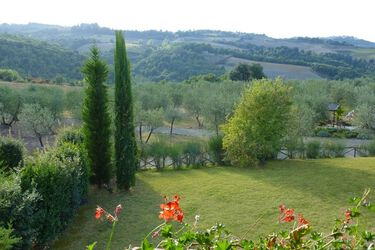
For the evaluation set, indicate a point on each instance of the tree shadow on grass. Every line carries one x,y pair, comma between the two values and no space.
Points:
139,216
324,179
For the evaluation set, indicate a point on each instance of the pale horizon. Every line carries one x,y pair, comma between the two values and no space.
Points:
277,19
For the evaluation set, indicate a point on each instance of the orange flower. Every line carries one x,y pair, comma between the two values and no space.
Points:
171,210
286,214
347,216
301,220
99,212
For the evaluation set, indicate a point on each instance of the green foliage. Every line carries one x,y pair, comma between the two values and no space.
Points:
125,143
35,58
158,151
259,123
7,240
193,154
246,72
332,149
216,150
313,149
74,102
60,178
96,119
37,120
11,154
335,132
367,149
323,133
10,105
70,135
10,75
17,209
177,62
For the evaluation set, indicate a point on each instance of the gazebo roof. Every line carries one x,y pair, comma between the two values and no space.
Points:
333,106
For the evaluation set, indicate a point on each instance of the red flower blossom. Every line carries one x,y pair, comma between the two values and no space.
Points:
287,215
171,210
99,212
347,216
302,221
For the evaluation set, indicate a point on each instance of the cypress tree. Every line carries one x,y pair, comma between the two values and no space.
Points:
96,118
125,144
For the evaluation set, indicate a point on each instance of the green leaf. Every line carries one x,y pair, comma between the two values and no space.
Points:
368,236
166,231
316,236
91,246
147,245
223,245
247,244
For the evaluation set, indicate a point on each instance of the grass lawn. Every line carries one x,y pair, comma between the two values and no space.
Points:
319,189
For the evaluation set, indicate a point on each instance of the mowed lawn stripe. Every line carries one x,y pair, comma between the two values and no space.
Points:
320,189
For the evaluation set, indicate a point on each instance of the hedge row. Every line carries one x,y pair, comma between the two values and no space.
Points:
161,154
41,200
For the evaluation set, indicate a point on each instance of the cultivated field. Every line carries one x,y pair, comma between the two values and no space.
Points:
286,71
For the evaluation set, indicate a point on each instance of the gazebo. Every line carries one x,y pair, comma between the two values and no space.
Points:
333,107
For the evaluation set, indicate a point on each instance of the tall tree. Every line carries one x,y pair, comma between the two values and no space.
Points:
254,133
125,143
96,118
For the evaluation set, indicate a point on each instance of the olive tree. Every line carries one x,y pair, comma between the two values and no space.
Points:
37,120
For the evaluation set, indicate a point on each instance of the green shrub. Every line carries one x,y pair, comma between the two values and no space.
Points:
332,149
175,153
313,149
17,209
9,75
193,154
60,178
335,132
323,133
371,148
216,150
159,152
11,153
68,152
7,239
71,135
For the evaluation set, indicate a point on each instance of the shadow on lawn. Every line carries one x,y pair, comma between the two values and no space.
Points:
323,179
140,209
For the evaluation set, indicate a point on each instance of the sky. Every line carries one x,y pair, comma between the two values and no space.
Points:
275,18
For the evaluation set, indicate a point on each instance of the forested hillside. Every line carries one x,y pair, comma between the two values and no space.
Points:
34,59
178,56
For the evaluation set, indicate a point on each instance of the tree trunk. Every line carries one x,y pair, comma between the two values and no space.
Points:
140,132
200,124
40,141
149,135
172,122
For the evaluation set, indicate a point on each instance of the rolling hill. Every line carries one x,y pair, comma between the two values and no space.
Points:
177,56
33,58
